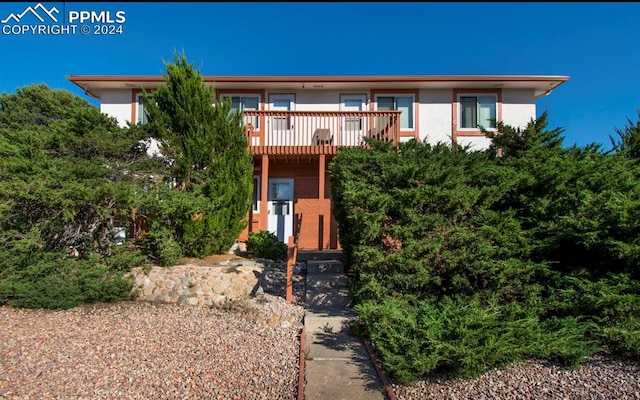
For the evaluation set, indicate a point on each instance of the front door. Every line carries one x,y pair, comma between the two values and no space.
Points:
281,208
281,124
352,126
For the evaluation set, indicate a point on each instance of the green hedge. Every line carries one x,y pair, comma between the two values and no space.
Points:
508,249
265,244
53,280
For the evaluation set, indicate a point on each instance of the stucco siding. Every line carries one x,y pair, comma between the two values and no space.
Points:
476,142
435,116
316,100
117,103
518,107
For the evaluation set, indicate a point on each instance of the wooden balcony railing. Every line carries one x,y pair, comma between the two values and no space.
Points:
317,132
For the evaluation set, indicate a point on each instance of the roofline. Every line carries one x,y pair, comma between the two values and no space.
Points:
558,79
325,78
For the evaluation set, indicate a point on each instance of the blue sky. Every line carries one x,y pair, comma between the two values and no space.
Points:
595,44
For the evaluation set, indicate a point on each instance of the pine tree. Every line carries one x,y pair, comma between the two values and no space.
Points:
211,159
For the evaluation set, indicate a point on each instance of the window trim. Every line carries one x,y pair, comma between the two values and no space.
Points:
135,96
395,96
476,95
354,96
290,95
138,97
247,92
457,111
275,125
362,98
225,95
415,93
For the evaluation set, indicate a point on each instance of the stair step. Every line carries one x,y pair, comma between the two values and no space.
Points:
306,255
327,281
324,266
321,299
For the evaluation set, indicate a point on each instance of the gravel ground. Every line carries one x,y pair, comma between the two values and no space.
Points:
246,350
598,378
138,350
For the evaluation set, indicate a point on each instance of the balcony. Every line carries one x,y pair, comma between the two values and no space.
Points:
316,132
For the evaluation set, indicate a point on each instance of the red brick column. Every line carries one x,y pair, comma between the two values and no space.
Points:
264,191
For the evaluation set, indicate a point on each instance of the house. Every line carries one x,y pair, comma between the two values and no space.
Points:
296,124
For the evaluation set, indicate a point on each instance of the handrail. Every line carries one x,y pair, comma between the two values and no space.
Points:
292,256
291,131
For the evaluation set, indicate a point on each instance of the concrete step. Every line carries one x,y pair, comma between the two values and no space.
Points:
327,298
327,281
306,255
324,266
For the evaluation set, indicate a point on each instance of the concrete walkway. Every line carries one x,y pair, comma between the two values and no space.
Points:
337,365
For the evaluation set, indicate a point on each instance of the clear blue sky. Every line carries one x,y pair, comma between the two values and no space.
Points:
596,44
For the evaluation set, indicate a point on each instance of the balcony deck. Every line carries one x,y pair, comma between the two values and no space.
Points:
316,132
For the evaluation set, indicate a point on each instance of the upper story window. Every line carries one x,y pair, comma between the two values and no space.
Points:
402,103
245,102
141,114
477,110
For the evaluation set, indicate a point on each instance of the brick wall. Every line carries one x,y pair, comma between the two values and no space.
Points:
314,226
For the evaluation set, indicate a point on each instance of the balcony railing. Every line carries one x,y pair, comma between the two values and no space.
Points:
317,132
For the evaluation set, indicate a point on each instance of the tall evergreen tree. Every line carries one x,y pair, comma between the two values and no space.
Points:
210,158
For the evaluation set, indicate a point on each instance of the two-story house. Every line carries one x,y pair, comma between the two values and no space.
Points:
296,124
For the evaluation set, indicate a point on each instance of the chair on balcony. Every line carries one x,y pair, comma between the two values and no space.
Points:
379,133
380,129
248,129
322,137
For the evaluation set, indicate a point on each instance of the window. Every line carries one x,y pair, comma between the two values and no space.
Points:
245,102
477,111
141,117
256,194
399,103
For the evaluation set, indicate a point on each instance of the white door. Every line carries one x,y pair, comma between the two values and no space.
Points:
353,126
281,130
281,208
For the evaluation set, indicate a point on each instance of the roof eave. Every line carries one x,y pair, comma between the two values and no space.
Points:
84,82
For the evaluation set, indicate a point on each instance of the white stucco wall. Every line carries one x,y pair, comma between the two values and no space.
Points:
117,103
476,142
518,107
435,115
316,100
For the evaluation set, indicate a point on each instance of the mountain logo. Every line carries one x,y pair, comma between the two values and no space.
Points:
38,11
